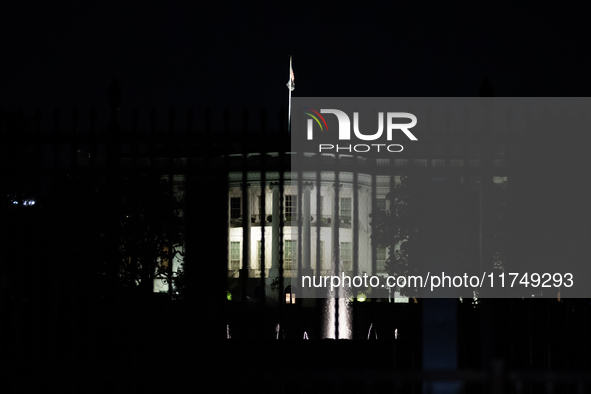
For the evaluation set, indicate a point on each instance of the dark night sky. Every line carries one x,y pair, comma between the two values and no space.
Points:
237,55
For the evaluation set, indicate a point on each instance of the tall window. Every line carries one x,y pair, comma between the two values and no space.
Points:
290,206
164,260
235,208
235,255
346,209
347,256
288,254
381,259
321,254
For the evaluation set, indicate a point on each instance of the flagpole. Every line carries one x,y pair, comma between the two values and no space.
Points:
289,105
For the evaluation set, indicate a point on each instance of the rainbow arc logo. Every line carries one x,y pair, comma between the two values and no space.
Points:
316,118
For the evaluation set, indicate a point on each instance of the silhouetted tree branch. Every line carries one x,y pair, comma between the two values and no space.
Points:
151,234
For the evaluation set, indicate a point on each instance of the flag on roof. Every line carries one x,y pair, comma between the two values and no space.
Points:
291,82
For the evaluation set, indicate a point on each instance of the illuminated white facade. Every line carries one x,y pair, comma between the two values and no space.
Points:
306,212
319,213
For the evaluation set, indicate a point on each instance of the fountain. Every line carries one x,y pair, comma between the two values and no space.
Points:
345,318
345,312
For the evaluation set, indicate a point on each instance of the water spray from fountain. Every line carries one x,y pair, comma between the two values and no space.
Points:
228,336
374,331
338,303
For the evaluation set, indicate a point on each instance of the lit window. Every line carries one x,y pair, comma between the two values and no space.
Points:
164,261
290,207
346,209
381,202
346,256
235,208
235,255
288,254
290,296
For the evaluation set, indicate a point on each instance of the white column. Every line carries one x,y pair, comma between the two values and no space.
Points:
335,225
274,271
245,231
306,243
